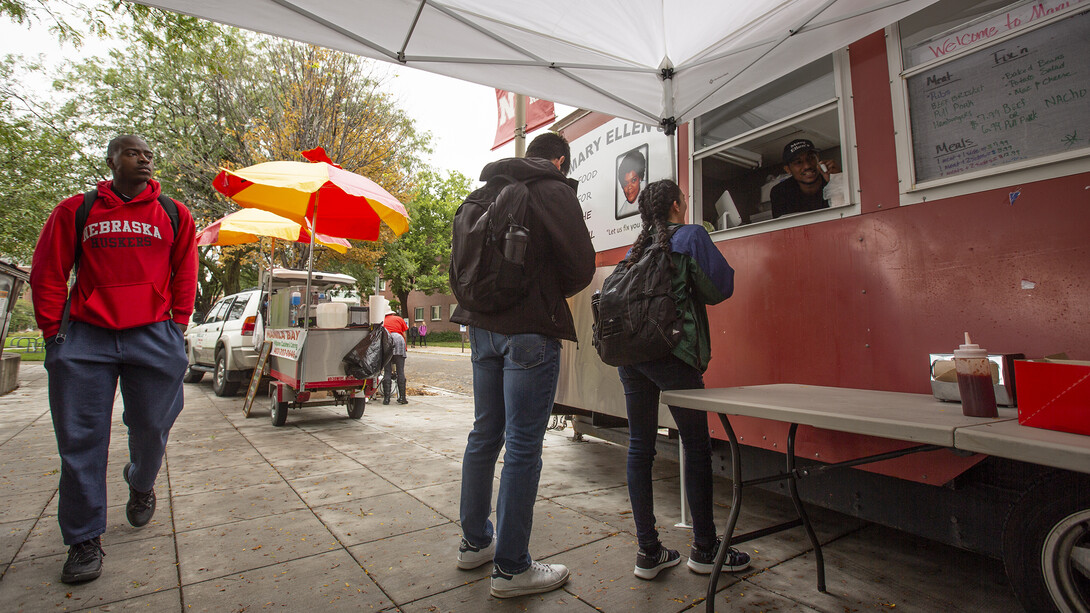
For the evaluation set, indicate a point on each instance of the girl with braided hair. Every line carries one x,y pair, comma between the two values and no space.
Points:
703,277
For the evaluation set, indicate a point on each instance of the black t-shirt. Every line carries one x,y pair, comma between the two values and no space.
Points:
787,198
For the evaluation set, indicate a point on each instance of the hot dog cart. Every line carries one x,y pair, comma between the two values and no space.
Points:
310,335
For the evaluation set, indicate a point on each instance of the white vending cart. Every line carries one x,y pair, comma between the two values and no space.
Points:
310,336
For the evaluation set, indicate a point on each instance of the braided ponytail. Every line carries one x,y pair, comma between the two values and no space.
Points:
655,203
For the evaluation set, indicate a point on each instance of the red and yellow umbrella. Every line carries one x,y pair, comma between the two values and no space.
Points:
337,202
249,225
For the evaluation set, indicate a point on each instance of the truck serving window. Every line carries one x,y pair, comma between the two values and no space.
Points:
739,147
994,87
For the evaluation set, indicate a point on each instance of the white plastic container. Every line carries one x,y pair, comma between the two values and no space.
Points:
332,315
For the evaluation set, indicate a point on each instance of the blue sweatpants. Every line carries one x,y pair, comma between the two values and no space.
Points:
83,374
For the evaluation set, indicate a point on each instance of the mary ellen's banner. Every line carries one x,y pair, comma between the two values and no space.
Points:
538,114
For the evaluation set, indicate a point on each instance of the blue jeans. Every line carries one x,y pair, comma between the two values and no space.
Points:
83,375
514,384
642,383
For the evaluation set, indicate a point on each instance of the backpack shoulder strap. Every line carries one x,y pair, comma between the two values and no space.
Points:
171,211
82,213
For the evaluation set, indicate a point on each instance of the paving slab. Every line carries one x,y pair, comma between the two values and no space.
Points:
858,577
330,461
241,546
378,517
446,497
17,505
428,468
12,536
414,566
137,568
476,599
342,487
45,538
213,508
231,478
330,581
602,577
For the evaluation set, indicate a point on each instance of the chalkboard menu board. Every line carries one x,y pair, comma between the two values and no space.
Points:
1024,98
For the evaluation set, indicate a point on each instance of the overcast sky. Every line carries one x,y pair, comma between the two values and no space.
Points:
461,116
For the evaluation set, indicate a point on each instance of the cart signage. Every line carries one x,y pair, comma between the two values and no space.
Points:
287,342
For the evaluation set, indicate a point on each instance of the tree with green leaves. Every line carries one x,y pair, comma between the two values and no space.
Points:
208,96
41,163
420,258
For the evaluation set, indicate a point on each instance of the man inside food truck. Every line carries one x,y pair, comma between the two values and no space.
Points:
804,189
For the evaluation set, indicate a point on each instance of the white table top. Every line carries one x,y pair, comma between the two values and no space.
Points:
918,418
1009,439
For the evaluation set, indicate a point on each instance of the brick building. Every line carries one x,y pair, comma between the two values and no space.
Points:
434,309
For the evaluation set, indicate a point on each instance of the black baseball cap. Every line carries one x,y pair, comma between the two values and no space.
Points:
795,147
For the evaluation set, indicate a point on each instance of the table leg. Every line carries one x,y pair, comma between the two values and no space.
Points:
735,510
793,487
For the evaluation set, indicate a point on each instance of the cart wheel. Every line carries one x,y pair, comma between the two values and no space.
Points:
278,411
356,407
1046,545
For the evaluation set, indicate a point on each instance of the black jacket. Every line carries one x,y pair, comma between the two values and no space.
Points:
560,261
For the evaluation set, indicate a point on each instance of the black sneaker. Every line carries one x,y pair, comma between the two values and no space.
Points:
649,565
141,505
84,562
702,562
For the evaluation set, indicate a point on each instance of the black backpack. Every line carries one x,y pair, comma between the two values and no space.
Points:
637,316
489,246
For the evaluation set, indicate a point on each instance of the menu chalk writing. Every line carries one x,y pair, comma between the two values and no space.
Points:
1024,98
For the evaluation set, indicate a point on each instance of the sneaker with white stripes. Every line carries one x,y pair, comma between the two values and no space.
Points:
649,565
534,580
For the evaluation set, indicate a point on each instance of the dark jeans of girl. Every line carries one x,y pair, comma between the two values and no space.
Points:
642,384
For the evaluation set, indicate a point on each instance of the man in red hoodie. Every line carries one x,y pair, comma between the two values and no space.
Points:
134,291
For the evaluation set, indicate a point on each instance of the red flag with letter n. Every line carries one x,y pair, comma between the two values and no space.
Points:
538,114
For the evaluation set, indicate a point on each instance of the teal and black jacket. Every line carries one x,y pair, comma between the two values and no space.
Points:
703,277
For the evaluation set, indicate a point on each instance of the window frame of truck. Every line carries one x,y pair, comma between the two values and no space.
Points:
841,105
1004,175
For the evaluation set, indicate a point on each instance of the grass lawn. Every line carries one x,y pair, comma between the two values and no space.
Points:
18,343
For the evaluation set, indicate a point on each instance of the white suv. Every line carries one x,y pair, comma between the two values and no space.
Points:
222,342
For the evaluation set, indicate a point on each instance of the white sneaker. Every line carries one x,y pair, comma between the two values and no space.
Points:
470,557
534,580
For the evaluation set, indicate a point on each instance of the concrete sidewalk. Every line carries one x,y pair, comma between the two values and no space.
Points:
331,514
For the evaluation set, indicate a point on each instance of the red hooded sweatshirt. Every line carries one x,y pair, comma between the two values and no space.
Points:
133,271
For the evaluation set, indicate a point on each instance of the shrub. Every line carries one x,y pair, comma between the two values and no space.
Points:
446,336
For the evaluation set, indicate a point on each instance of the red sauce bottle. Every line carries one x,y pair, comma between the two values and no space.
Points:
975,380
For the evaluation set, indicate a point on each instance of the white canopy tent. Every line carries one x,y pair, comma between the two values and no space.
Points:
660,62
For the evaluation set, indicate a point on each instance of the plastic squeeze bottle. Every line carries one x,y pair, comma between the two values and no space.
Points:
975,380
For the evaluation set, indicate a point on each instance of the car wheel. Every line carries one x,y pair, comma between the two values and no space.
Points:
220,384
356,407
193,376
278,411
1046,545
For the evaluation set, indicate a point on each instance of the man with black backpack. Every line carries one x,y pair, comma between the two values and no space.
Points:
135,256
533,253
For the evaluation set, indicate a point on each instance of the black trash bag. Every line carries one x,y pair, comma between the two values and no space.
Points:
367,359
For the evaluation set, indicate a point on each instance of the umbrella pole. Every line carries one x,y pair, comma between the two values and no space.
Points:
310,258
268,296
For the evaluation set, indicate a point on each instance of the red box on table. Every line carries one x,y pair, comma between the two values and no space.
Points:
1054,394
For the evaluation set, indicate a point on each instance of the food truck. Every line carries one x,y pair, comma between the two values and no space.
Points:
960,133
962,136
